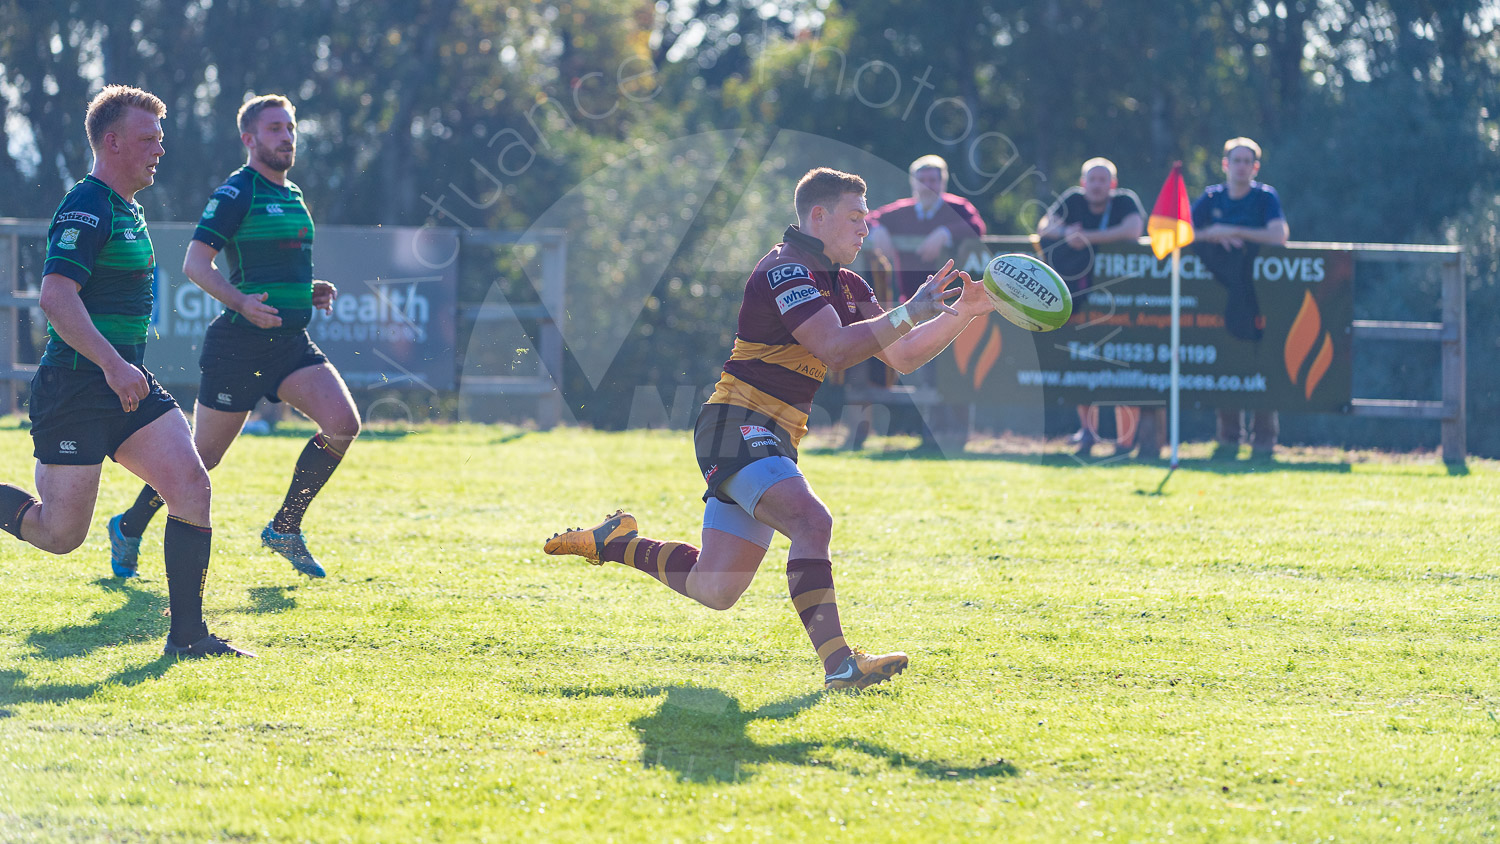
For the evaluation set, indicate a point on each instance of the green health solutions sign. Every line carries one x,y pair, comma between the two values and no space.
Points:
394,323
1117,346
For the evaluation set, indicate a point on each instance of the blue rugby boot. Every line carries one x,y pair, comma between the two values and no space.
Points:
292,546
124,551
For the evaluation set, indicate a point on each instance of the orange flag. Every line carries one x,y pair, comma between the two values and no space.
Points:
1171,224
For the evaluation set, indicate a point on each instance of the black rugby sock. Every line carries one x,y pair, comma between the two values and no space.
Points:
133,522
186,547
14,502
314,467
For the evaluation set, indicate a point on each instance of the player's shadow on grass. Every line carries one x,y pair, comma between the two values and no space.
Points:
14,690
140,617
270,599
701,735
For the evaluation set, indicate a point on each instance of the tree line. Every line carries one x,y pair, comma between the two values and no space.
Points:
1378,120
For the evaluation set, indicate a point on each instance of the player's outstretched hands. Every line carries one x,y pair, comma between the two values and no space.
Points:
972,300
128,382
254,308
930,300
323,295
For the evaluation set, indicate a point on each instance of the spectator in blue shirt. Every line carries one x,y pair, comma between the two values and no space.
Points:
1230,223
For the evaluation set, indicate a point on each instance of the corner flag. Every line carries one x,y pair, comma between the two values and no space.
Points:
1171,224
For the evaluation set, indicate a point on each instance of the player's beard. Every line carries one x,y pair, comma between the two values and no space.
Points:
275,159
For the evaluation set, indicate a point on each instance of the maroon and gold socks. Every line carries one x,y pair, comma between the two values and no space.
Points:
668,562
811,585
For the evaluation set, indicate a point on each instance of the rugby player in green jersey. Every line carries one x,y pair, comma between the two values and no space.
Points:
258,226
91,397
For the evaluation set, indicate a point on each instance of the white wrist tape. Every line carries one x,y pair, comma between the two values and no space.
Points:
900,319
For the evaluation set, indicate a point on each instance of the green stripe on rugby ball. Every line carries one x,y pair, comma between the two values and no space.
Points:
1027,292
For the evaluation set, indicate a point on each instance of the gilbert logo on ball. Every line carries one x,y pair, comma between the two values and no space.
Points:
1027,292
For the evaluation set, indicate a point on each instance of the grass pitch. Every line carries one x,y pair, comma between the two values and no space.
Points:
1302,653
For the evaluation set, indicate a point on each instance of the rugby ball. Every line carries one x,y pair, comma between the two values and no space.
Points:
1027,292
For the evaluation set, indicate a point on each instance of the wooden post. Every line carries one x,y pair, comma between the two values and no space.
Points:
11,340
554,295
1455,402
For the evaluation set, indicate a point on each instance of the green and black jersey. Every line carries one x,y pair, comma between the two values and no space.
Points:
100,241
266,238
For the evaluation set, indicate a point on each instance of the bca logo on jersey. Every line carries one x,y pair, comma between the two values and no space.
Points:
786,272
210,208
68,240
68,446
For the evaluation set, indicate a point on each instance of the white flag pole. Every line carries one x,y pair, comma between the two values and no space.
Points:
1176,346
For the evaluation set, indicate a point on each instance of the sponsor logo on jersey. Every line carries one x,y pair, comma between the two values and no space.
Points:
225,398
757,436
753,431
210,208
227,190
798,295
274,210
712,470
68,446
79,217
128,235
783,273
69,239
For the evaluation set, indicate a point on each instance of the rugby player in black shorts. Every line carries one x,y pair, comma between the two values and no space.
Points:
91,397
802,314
259,348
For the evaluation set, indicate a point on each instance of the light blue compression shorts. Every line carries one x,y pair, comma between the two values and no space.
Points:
746,487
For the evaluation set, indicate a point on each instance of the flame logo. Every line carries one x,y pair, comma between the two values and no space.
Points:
1307,332
967,342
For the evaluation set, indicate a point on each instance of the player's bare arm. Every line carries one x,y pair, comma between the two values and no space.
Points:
842,346
199,266
930,338
70,319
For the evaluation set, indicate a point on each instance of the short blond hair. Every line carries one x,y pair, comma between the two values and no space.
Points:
1235,143
1099,162
824,186
250,112
929,161
109,105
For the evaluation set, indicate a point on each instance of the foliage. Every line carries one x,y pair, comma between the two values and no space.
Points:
1377,117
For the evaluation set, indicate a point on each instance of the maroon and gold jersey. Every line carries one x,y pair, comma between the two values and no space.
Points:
768,371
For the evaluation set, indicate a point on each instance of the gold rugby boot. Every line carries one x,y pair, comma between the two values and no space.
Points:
588,542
